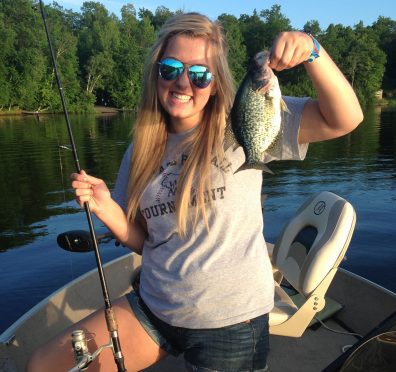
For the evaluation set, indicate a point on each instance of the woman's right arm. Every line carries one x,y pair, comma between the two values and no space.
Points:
95,192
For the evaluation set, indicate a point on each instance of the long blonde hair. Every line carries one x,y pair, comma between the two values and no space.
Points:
150,130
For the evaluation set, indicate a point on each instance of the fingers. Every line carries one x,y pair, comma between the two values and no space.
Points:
83,185
290,49
84,177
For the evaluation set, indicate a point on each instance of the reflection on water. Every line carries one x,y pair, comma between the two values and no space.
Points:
37,204
360,167
35,169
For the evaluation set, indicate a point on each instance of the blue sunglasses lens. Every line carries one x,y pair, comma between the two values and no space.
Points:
200,76
170,69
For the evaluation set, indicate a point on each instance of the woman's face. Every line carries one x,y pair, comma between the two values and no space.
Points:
181,99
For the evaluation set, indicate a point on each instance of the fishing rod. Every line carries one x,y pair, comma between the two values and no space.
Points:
79,342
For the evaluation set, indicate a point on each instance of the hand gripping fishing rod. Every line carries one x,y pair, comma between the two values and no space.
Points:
83,357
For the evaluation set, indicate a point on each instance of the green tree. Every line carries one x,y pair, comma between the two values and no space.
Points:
365,63
252,29
275,22
260,30
130,57
313,28
358,56
237,56
64,43
162,14
6,53
146,13
98,39
26,64
385,30
145,36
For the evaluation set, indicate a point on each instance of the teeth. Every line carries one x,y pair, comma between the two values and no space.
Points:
181,97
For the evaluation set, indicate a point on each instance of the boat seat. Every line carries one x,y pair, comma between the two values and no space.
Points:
307,254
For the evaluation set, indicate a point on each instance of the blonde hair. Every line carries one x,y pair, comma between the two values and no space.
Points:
150,130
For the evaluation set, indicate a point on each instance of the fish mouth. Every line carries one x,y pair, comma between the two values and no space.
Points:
262,76
262,58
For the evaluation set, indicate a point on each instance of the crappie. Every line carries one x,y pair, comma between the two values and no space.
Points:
255,119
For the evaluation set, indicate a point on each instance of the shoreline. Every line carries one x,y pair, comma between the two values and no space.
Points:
106,110
97,110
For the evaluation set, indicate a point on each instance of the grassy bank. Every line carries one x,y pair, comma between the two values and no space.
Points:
388,102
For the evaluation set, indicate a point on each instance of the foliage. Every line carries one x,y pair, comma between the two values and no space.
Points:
101,57
385,31
237,50
359,57
125,84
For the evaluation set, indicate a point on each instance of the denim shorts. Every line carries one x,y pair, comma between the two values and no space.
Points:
241,347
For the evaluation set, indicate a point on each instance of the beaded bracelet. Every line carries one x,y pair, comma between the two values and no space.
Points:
315,49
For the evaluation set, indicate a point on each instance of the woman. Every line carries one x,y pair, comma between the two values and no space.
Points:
206,283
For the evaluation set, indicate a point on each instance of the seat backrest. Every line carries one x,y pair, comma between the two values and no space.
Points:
314,241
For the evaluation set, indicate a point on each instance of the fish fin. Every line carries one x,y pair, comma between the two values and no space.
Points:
283,106
259,166
229,137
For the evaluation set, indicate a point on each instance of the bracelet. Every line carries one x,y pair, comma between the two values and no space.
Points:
315,49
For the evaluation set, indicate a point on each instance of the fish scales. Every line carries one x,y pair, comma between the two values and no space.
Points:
256,114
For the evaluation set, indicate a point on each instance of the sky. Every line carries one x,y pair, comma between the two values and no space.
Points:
345,12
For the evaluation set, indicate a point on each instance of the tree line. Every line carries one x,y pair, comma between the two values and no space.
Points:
101,56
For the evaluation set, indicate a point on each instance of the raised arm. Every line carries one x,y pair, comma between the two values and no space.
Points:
337,110
95,192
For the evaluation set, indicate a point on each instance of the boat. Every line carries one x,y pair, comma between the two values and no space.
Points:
355,319
36,112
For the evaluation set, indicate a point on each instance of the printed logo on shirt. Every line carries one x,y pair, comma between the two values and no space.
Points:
169,207
164,197
168,186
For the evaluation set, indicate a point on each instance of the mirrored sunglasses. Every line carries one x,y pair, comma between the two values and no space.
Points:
171,69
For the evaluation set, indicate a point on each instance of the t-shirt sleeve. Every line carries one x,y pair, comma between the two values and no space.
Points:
287,147
121,186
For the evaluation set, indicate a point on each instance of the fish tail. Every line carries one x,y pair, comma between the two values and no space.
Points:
259,166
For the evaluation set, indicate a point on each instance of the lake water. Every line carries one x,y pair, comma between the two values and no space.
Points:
37,203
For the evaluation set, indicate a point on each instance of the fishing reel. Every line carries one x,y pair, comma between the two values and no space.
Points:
81,352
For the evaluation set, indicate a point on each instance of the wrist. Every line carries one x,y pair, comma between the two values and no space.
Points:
315,53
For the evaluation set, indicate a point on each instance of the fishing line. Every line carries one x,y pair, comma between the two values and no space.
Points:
60,148
110,316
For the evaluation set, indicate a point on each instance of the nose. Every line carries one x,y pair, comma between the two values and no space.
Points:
183,80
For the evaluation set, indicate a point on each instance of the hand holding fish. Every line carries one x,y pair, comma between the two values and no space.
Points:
336,110
290,49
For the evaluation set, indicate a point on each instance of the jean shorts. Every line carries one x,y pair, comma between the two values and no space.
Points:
241,347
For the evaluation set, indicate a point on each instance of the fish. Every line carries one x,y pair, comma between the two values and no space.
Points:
255,119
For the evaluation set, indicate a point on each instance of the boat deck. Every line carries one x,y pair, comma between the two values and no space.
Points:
311,353
364,306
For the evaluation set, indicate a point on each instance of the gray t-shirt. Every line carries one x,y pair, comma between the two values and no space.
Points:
216,278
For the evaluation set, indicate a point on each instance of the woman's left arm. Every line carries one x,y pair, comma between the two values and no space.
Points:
337,110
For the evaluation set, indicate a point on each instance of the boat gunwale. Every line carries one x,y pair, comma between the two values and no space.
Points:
9,333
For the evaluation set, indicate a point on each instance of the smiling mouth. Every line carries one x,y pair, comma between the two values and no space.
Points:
181,97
